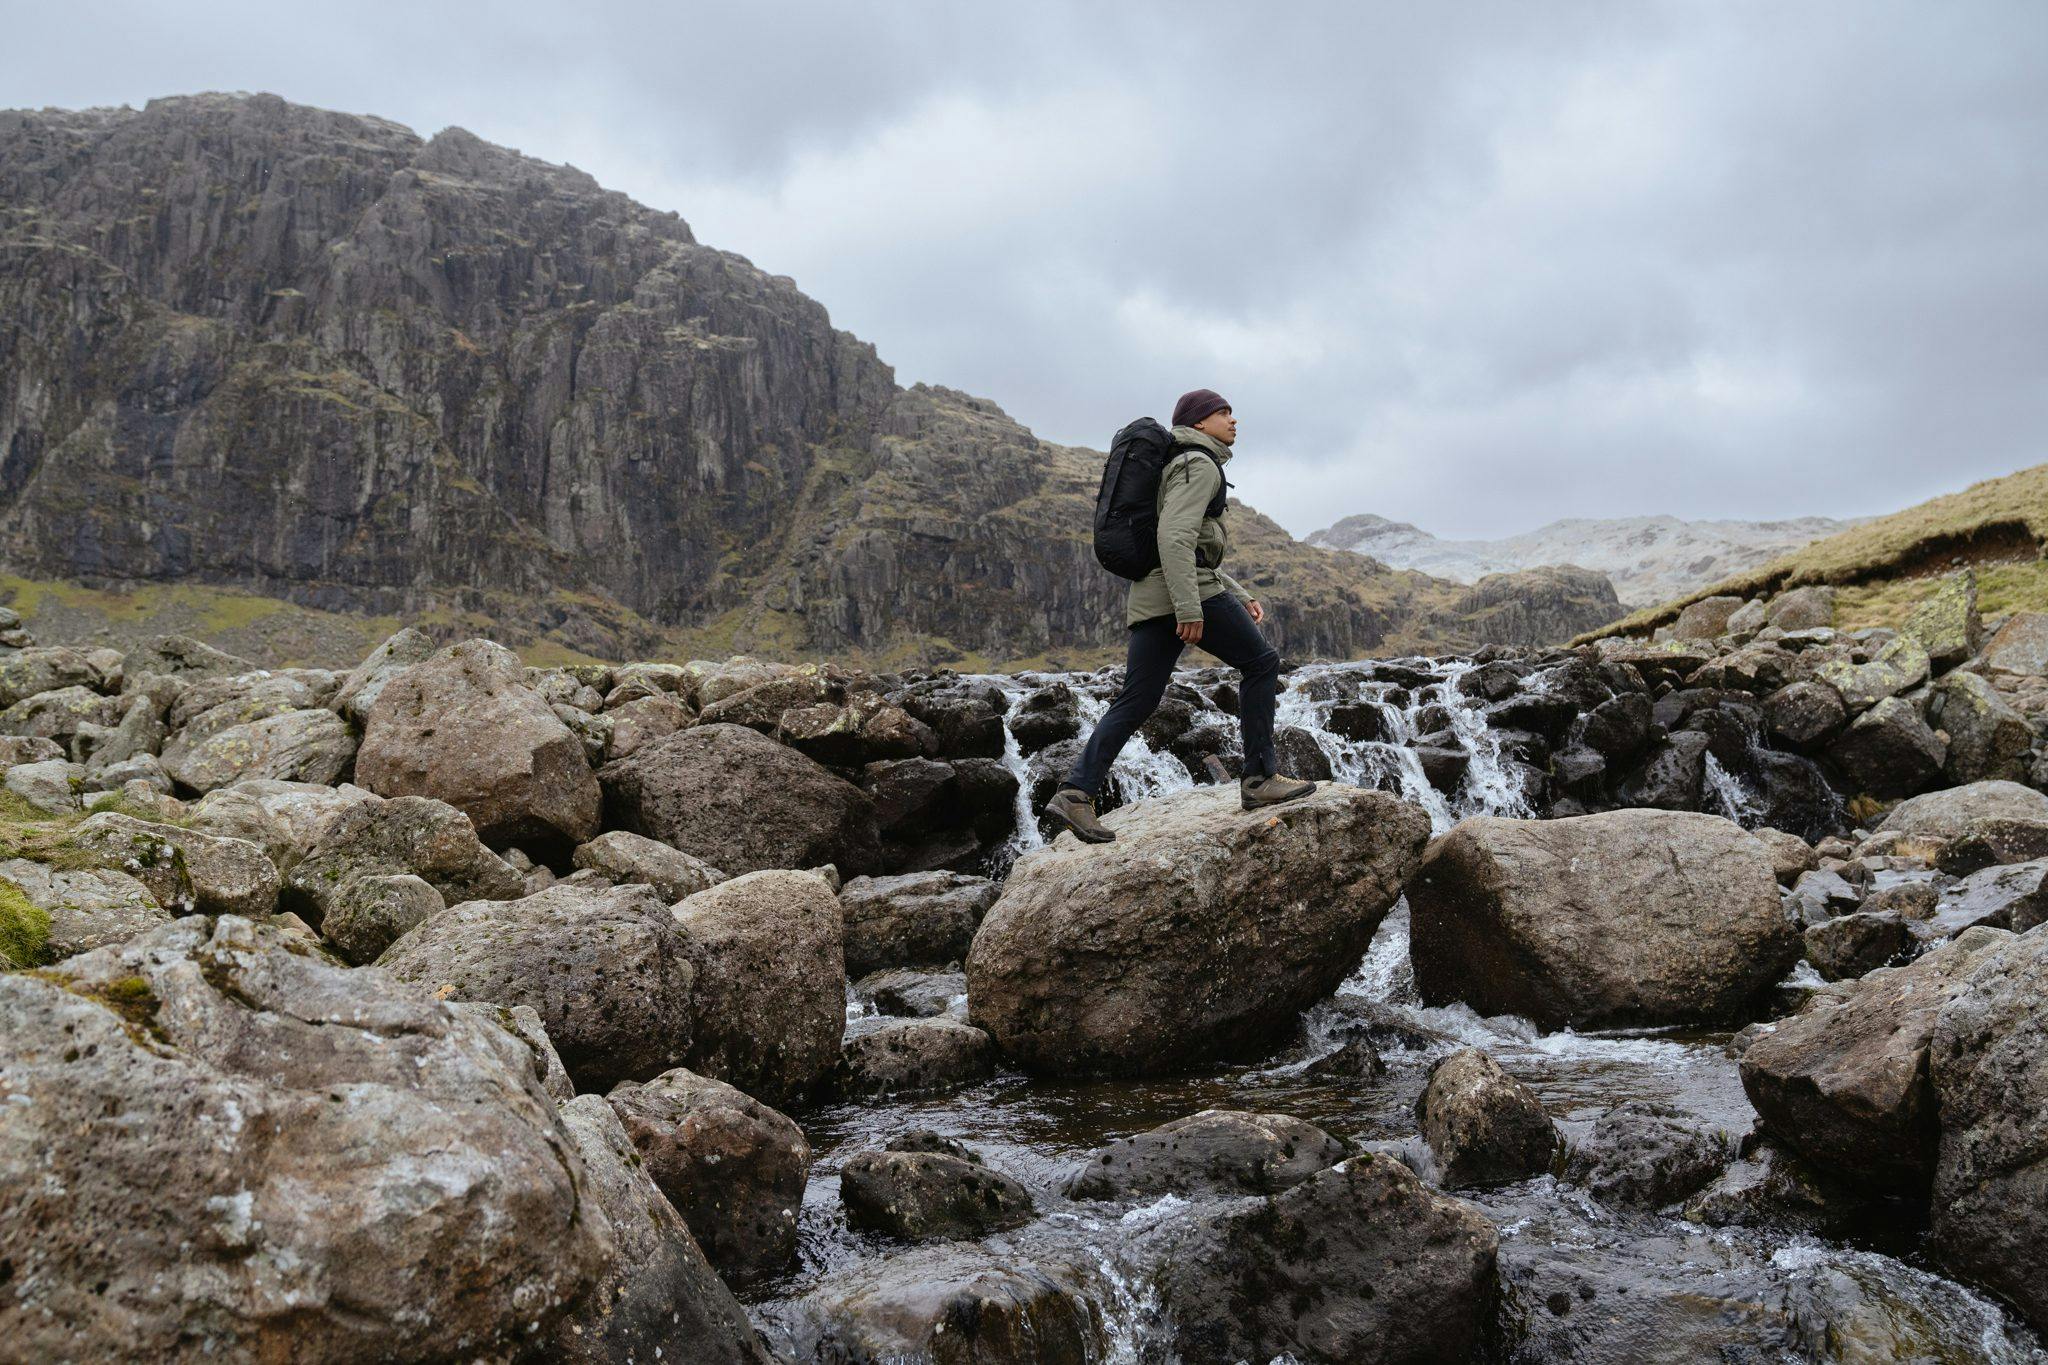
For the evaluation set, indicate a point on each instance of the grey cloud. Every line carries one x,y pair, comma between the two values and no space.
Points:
1474,266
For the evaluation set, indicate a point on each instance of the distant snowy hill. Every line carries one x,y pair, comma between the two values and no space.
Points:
1649,559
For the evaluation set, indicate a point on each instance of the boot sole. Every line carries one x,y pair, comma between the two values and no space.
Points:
1248,804
1107,836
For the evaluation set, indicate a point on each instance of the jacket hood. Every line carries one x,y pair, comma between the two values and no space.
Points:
1190,436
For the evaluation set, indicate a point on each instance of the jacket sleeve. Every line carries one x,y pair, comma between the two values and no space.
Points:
1232,584
1184,492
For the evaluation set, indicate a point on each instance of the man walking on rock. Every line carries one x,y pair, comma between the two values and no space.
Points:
1187,600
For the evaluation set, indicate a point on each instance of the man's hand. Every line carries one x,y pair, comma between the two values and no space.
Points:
1191,631
1258,612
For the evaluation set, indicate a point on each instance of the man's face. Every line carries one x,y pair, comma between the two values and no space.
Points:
1221,424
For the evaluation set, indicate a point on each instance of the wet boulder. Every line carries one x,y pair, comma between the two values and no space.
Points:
1633,916
1993,842
1482,1125
915,919
635,860
906,992
967,721
1947,814
1805,714
732,1166
410,835
741,802
1889,751
1844,1082
1669,777
1203,929
1988,1063
949,1301
296,1169
921,1195
658,1298
1643,1154
463,727
1360,1262
1218,1151
912,796
1045,717
2013,896
1855,945
915,1057
1619,728
771,981
605,967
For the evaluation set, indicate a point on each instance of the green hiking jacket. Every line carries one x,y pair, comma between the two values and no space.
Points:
1179,586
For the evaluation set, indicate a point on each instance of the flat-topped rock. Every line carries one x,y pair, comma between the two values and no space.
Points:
1203,929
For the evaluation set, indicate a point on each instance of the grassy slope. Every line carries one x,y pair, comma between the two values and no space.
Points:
1882,567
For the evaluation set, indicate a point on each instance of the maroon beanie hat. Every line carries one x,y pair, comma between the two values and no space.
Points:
1196,404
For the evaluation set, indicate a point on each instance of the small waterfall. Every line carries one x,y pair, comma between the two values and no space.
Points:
1730,796
1025,836
1139,771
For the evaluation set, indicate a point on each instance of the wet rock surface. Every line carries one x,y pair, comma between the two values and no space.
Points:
1218,1151
1482,1125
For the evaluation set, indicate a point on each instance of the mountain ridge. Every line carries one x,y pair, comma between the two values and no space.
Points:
1648,558
317,357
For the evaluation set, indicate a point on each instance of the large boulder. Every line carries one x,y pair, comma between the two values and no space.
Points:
226,876
605,967
771,981
1844,1082
1218,1151
1202,929
284,818
1899,665
1808,608
2020,647
1482,1125
922,1195
464,728
914,1057
365,683
1705,619
659,1298
1946,623
1889,751
407,835
50,914
953,1302
633,859
1646,1155
1949,813
307,745
26,672
1987,738
309,1163
916,919
740,801
1630,917
1988,1061
1361,1262
732,1166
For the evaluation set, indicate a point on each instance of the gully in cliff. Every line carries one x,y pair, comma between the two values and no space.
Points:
1159,523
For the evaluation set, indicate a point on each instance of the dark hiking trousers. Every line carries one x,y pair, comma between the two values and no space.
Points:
1229,633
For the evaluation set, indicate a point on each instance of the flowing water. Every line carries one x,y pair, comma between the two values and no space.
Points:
1691,1292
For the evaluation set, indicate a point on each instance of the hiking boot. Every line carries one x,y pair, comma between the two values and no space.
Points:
1075,809
1254,792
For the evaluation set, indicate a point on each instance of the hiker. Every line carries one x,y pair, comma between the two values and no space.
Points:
1185,599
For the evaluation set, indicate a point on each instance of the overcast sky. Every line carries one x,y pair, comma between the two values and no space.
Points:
1475,266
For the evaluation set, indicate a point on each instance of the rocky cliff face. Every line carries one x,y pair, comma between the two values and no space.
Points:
1649,559
316,356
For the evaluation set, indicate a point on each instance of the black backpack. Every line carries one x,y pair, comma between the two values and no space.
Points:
1127,504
